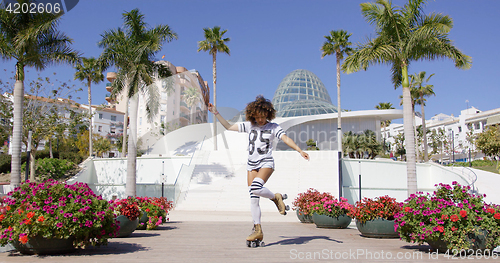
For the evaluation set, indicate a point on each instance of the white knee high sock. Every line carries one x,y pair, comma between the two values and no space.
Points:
255,208
257,188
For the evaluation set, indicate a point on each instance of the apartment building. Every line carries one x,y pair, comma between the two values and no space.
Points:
175,109
456,130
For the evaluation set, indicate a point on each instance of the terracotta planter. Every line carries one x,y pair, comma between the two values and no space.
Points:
127,226
304,218
324,221
45,246
377,228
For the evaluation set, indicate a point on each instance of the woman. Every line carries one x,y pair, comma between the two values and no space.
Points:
260,165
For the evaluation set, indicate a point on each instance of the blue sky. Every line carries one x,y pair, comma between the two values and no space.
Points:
269,39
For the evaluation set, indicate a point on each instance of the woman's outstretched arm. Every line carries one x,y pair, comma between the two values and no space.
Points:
294,146
222,121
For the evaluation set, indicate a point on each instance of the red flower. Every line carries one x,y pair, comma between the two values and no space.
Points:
454,218
497,216
2,216
463,213
440,229
407,209
444,217
490,210
453,228
23,239
40,219
30,215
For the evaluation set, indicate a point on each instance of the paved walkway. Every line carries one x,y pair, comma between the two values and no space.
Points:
220,237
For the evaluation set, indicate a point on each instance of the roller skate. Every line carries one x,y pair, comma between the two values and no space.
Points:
278,200
255,239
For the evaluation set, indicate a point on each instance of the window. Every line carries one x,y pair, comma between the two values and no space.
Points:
140,121
162,119
163,95
100,116
459,129
113,117
478,125
112,130
99,129
163,107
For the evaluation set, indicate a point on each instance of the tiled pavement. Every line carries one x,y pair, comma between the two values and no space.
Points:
220,237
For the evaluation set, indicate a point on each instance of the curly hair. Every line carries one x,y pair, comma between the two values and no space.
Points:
261,106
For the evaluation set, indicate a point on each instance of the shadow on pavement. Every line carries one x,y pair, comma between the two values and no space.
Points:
301,240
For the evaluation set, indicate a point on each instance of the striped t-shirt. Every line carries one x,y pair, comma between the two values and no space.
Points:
260,143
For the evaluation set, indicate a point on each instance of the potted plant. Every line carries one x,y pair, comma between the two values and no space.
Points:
155,211
128,212
52,217
302,204
375,217
450,218
331,213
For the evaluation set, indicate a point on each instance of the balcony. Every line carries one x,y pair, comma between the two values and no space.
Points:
109,98
184,106
109,87
111,76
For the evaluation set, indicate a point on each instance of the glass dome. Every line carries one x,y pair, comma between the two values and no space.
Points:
306,107
300,84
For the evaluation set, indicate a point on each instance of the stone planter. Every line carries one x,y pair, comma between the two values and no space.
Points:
304,218
476,241
377,228
127,226
143,221
45,246
324,221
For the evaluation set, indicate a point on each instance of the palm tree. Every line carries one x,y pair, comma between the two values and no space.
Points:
423,91
191,96
404,35
386,123
337,43
214,43
132,50
90,70
34,41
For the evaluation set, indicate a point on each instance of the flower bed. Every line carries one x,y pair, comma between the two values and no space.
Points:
51,209
369,209
303,201
157,210
331,207
451,215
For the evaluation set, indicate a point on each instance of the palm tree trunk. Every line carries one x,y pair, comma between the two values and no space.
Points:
90,120
411,168
424,131
125,120
130,188
415,131
32,165
339,129
17,131
214,71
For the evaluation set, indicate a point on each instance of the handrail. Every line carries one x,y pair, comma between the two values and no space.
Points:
469,174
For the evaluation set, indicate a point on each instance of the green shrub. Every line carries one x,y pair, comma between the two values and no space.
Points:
51,168
73,157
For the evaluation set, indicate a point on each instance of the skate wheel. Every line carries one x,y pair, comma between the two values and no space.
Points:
285,196
287,207
248,243
284,213
262,244
254,244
